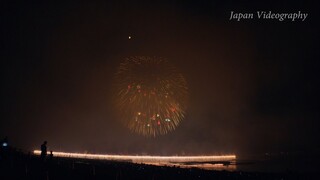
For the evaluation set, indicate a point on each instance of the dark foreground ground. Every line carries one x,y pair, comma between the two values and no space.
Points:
18,165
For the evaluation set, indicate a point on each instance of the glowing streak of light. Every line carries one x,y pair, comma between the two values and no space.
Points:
144,159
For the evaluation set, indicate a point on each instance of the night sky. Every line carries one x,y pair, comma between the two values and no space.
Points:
253,84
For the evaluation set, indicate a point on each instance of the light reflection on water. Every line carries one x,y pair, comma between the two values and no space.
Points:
207,166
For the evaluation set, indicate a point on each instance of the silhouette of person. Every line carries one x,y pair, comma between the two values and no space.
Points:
44,150
51,156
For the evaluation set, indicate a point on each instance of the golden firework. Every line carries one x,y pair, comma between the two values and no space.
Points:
151,95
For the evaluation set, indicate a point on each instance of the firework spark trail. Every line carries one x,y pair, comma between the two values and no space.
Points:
152,95
203,162
142,159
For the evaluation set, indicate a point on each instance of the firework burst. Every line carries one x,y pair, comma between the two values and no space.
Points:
151,95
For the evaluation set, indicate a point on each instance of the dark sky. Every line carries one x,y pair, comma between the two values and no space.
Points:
254,84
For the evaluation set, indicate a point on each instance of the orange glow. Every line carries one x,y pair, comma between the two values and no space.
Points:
158,160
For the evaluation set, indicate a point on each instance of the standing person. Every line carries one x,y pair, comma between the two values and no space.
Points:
43,150
51,156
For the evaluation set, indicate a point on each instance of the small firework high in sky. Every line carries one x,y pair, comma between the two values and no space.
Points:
151,95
